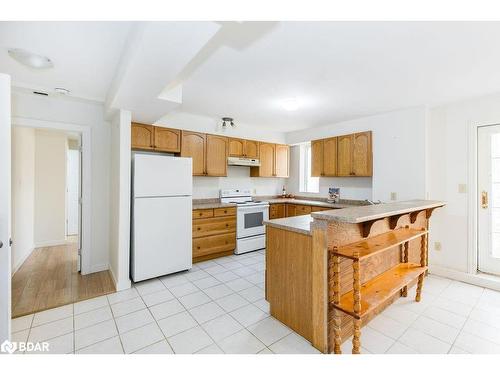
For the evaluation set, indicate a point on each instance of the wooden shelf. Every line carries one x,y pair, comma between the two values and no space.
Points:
371,246
379,289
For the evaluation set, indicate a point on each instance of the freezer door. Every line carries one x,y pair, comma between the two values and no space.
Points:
161,175
162,236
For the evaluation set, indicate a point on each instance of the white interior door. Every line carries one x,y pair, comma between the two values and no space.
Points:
489,199
73,192
5,267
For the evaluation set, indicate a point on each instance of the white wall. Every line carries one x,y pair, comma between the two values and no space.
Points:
91,116
50,188
237,178
448,157
23,195
120,200
398,155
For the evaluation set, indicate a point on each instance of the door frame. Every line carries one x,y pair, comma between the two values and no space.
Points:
472,177
86,177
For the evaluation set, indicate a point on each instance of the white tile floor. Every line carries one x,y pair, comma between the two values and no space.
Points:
219,307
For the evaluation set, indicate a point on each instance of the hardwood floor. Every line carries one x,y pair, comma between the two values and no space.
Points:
48,278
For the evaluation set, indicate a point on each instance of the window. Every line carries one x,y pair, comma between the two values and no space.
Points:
308,184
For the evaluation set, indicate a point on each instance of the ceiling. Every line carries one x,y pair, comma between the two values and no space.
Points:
335,70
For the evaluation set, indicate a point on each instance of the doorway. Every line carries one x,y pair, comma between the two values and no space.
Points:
488,177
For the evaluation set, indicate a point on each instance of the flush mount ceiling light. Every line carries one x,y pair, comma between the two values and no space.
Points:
290,104
30,59
226,121
61,91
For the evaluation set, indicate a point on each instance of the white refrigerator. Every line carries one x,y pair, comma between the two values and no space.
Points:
161,240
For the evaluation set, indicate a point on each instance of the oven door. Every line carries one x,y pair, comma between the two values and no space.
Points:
249,220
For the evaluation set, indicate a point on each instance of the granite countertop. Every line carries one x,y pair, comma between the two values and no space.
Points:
362,214
300,224
310,202
208,205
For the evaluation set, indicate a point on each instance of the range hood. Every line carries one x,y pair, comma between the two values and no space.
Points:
246,162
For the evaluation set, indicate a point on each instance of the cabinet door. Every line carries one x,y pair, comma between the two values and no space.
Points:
330,157
266,155
168,140
216,155
277,210
362,154
251,149
344,155
236,147
317,158
291,210
194,146
142,136
281,161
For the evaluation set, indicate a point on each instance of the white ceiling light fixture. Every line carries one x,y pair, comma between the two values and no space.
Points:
290,104
30,59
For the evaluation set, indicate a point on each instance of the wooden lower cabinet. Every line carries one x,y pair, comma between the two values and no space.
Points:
214,233
277,211
297,209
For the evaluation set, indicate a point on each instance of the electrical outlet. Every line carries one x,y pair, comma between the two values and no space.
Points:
462,188
394,196
437,246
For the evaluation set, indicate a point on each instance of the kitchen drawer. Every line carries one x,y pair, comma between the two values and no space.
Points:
302,209
202,214
209,227
213,244
277,210
225,211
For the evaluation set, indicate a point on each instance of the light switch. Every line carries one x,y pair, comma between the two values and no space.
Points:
394,196
462,188
437,246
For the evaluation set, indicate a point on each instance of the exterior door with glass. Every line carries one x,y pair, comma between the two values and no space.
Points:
489,199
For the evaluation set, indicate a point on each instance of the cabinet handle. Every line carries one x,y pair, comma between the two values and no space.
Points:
198,228
199,247
225,211
227,225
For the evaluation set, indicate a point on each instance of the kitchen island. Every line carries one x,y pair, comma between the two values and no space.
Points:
329,273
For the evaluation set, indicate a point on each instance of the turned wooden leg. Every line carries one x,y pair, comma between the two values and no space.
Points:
423,263
405,260
356,343
357,307
336,301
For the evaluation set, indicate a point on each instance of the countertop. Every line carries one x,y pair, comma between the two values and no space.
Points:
208,205
299,224
361,214
310,202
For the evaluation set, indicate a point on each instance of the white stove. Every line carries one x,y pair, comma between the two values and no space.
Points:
250,214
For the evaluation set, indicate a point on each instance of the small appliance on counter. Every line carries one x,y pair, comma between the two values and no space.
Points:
250,214
161,240
333,195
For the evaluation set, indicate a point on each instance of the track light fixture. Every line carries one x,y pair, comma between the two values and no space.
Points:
228,120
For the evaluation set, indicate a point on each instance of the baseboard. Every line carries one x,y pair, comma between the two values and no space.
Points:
99,267
20,263
119,286
50,243
479,279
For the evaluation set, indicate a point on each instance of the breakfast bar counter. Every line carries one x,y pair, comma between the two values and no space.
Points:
329,273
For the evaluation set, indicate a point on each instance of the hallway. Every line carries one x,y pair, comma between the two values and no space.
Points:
48,279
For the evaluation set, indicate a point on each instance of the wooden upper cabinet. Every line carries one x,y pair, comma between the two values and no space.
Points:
362,154
344,155
236,147
216,159
354,155
142,136
267,164
251,149
167,140
281,160
317,158
194,146
330,157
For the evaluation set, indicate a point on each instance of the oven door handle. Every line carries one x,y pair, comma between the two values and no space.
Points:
253,208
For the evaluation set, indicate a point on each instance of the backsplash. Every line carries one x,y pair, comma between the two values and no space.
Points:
237,178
